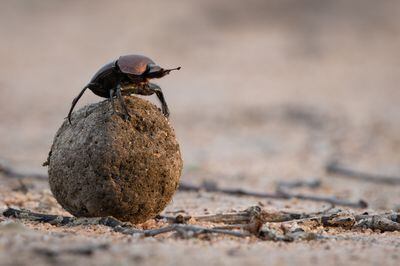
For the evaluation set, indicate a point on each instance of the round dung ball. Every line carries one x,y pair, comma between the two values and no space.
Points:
103,165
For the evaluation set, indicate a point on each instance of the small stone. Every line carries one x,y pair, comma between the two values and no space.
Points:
102,165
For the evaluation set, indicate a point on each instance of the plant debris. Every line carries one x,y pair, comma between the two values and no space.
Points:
281,190
281,193
253,221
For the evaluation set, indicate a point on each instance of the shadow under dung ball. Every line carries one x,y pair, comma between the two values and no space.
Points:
102,165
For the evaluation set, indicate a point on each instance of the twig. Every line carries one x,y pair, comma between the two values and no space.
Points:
212,187
249,226
61,220
267,233
332,200
256,225
393,216
83,250
377,222
250,219
281,194
235,191
8,171
184,230
340,170
382,222
118,226
251,215
316,183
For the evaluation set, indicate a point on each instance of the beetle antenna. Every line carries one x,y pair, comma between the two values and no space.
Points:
166,71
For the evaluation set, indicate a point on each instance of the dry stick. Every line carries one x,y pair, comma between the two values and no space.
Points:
229,191
393,216
254,213
383,222
118,226
184,230
315,183
258,218
331,200
340,170
253,219
281,194
82,250
251,226
8,171
376,222
61,220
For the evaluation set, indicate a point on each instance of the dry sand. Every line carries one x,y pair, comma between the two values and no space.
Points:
269,91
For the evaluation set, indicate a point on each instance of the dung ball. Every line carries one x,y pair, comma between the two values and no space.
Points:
103,165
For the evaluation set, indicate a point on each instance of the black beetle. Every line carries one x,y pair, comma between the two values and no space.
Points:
129,74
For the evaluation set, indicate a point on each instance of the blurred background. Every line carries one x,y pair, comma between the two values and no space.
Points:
269,90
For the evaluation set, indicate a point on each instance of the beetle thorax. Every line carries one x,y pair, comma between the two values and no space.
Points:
136,79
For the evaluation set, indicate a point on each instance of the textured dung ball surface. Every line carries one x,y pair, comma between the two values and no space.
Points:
103,165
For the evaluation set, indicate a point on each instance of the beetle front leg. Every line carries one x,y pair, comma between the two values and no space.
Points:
157,90
111,99
74,102
122,102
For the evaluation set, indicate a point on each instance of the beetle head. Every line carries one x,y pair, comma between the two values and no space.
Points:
155,71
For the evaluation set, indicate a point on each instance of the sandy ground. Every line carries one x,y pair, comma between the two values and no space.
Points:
269,91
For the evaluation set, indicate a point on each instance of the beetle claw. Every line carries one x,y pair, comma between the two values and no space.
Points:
166,113
127,117
165,110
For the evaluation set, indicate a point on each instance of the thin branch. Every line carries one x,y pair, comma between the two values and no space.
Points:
255,225
212,187
82,250
393,216
315,183
281,194
10,172
267,233
383,222
61,220
332,200
230,191
118,226
340,170
253,216
187,231
377,222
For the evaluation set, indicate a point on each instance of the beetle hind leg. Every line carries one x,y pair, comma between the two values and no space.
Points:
74,102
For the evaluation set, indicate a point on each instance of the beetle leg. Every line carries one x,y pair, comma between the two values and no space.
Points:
157,90
111,99
74,102
122,102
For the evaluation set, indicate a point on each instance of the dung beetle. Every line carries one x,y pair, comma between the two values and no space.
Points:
129,74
